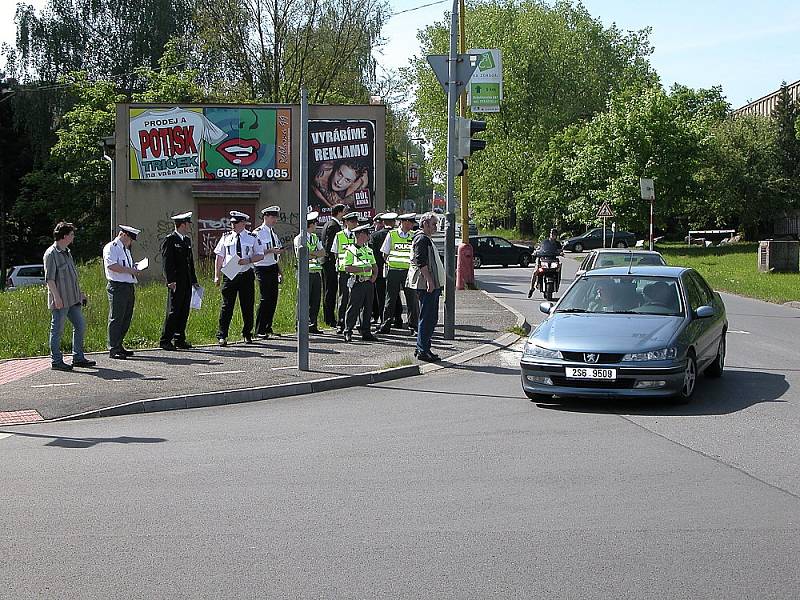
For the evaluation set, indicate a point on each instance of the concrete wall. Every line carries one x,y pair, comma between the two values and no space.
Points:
148,204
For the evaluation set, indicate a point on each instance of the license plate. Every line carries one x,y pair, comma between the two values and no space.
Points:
591,373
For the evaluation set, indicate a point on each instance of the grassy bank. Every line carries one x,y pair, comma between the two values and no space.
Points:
734,269
25,322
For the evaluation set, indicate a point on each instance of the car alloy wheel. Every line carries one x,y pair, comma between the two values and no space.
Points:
621,245
477,262
689,381
578,247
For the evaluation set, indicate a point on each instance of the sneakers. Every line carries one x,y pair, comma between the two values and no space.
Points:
222,341
83,363
61,366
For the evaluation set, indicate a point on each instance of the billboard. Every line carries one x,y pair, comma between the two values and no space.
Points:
485,89
239,143
341,155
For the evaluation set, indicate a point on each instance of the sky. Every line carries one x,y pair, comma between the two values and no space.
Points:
746,47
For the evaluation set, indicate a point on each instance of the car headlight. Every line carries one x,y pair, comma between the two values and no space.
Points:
663,354
534,351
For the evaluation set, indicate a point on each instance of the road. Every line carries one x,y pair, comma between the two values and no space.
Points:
451,485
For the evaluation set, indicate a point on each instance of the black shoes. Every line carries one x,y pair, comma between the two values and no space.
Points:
427,356
368,337
61,366
182,345
126,352
118,354
340,329
167,346
262,336
222,341
314,329
348,336
83,363
385,327
248,339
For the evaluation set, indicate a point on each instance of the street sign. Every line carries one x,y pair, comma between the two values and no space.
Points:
413,174
605,211
465,67
485,90
648,188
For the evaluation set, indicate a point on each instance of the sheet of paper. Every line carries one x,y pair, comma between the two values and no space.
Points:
143,264
197,297
232,268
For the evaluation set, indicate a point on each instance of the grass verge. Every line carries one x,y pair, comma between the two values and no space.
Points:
406,361
734,269
516,329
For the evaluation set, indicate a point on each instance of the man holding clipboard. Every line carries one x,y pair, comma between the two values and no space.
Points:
233,271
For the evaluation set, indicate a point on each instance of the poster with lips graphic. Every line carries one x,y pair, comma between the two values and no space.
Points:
225,143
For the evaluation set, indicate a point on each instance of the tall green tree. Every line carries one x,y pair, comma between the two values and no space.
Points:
559,67
785,114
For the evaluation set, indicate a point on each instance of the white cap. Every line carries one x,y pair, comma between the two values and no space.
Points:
271,210
187,216
131,231
312,216
390,216
237,216
350,216
408,217
364,228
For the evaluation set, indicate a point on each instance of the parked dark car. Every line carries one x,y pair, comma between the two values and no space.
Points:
642,332
493,250
594,239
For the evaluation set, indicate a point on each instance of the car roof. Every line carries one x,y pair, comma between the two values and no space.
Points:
26,266
647,270
626,251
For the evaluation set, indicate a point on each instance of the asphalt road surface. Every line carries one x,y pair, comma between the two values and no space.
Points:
451,485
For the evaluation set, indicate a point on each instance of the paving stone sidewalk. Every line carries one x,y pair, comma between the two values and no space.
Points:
29,385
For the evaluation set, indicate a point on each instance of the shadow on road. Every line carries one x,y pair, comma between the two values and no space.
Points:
736,391
73,442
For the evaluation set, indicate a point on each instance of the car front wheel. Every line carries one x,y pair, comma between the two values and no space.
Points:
689,381
578,247
715,369
621,245
477,262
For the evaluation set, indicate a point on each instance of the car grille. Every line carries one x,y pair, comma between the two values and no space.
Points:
617,384
605,358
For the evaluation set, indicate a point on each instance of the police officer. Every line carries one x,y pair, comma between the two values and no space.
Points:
383,223
121,273
343,239
268,270
330,275
316,254
397,250
359,264
237,251
178,264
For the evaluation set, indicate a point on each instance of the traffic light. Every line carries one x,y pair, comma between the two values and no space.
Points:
465,129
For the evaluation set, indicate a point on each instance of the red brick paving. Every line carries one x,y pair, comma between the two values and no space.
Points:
15,417
14,370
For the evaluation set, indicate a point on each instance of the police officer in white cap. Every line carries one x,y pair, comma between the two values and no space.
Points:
121,273
397,250
178,264
241,249
359,264
316,254
341,242
268,270
384,222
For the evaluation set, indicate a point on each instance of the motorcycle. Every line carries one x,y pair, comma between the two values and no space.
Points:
546,276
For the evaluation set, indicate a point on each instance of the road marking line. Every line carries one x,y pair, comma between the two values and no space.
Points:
4,435
282,368
220,373
738,331
47,385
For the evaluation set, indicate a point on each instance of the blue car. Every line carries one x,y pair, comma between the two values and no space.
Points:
631,332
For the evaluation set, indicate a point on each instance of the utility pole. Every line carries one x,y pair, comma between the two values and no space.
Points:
450,229
463,112
302,258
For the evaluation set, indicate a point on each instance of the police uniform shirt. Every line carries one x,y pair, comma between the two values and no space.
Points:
177,259
269,240
387,243
251,246
335,247
115,253
304,237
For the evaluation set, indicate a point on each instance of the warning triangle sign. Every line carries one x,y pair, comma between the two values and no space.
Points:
605,211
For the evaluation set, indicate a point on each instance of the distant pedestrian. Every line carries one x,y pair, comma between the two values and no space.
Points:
64,298
426,276
236,252
178,264
330,278
359,264
121,273
268,270
316,254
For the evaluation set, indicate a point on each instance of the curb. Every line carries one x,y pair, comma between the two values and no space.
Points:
283,390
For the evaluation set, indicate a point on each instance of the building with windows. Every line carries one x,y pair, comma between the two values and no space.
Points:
765,105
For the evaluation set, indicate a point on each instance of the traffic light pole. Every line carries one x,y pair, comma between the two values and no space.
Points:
450,230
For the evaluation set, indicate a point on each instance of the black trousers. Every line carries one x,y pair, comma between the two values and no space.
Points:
242,285
330,279
380,298
121,298
314,297
361,295
344,296
395,283
178,303
268,289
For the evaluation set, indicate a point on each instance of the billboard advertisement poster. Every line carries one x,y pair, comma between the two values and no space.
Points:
485,89
341,168
239,143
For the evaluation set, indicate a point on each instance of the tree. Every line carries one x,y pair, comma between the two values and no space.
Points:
560,66
786,115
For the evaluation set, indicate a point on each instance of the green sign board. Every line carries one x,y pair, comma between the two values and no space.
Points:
485,90
485,94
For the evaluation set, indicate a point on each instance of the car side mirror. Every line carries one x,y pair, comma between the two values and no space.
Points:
703,312
546,307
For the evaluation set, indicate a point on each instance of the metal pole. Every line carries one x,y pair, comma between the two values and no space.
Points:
604,232
651,222
113,212
450,230
463,113
302,258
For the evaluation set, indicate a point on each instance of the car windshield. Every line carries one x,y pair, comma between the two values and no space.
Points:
623,259
623,294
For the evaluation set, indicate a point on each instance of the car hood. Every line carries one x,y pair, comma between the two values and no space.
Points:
522,247
606,332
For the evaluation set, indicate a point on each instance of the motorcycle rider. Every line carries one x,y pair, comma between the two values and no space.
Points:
550,248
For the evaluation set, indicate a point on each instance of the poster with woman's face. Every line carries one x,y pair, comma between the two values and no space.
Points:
341,156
